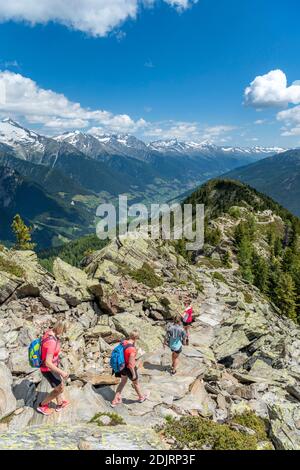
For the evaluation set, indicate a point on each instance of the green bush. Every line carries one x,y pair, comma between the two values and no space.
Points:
146,275
235,212
10,267
115,419
251,421
219,277
196,432
248,298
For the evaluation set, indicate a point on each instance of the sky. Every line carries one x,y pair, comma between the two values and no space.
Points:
227,71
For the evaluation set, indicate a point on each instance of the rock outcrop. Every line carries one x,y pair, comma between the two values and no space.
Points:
242,354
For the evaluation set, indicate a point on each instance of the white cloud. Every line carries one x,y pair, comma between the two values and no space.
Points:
188,131
181,4
23,98
10,63
215,132
271,90
259,122
294,132
173,130
95,17
291,120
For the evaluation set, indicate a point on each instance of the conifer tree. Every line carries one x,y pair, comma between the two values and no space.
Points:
22,233
285,293
245,254
260,271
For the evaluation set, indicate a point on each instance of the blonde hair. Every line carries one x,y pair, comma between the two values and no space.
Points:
59,327
134,335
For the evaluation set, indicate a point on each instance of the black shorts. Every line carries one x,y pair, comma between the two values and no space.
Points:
126,372
53,379
177,352
186,324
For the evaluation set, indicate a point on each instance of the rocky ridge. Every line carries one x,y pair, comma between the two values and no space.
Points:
242,355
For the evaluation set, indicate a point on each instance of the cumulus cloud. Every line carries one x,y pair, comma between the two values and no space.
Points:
95,17
23,98
291,120
181,4
272,90
173,130
214,132
188,131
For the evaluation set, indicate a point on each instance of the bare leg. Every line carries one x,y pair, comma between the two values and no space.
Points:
187,330
56,394
120,389
175,361
137,388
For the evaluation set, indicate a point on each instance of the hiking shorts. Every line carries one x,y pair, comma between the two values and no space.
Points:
126,372
53,379
185,323
179,351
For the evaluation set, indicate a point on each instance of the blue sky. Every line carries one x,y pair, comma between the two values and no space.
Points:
156,71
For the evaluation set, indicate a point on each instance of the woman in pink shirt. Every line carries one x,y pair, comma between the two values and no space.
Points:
187,319
51,371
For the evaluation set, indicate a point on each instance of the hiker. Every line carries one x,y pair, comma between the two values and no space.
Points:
50,350
128,370
175,338
187,319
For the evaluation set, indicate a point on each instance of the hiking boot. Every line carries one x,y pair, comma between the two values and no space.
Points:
45,410
64,404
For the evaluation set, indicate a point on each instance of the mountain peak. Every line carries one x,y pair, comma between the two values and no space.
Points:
8,120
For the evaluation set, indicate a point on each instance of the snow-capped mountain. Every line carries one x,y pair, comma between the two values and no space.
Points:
176,147
115,161
86,143
31,146
19,139
99,146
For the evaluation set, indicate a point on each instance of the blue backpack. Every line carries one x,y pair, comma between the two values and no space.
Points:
117,359
34,353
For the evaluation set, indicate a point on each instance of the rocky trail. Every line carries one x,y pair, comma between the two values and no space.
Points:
81,437
242,355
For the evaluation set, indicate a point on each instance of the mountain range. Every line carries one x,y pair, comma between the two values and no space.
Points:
53,220
277,176
81,169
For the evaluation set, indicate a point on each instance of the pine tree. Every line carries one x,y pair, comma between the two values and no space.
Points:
227,260
22,234
285,296
260,271
245,254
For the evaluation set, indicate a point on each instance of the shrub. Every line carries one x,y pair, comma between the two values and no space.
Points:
235,212
9,267
146,275
197,433
251,421
219,277
248,298
115,419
